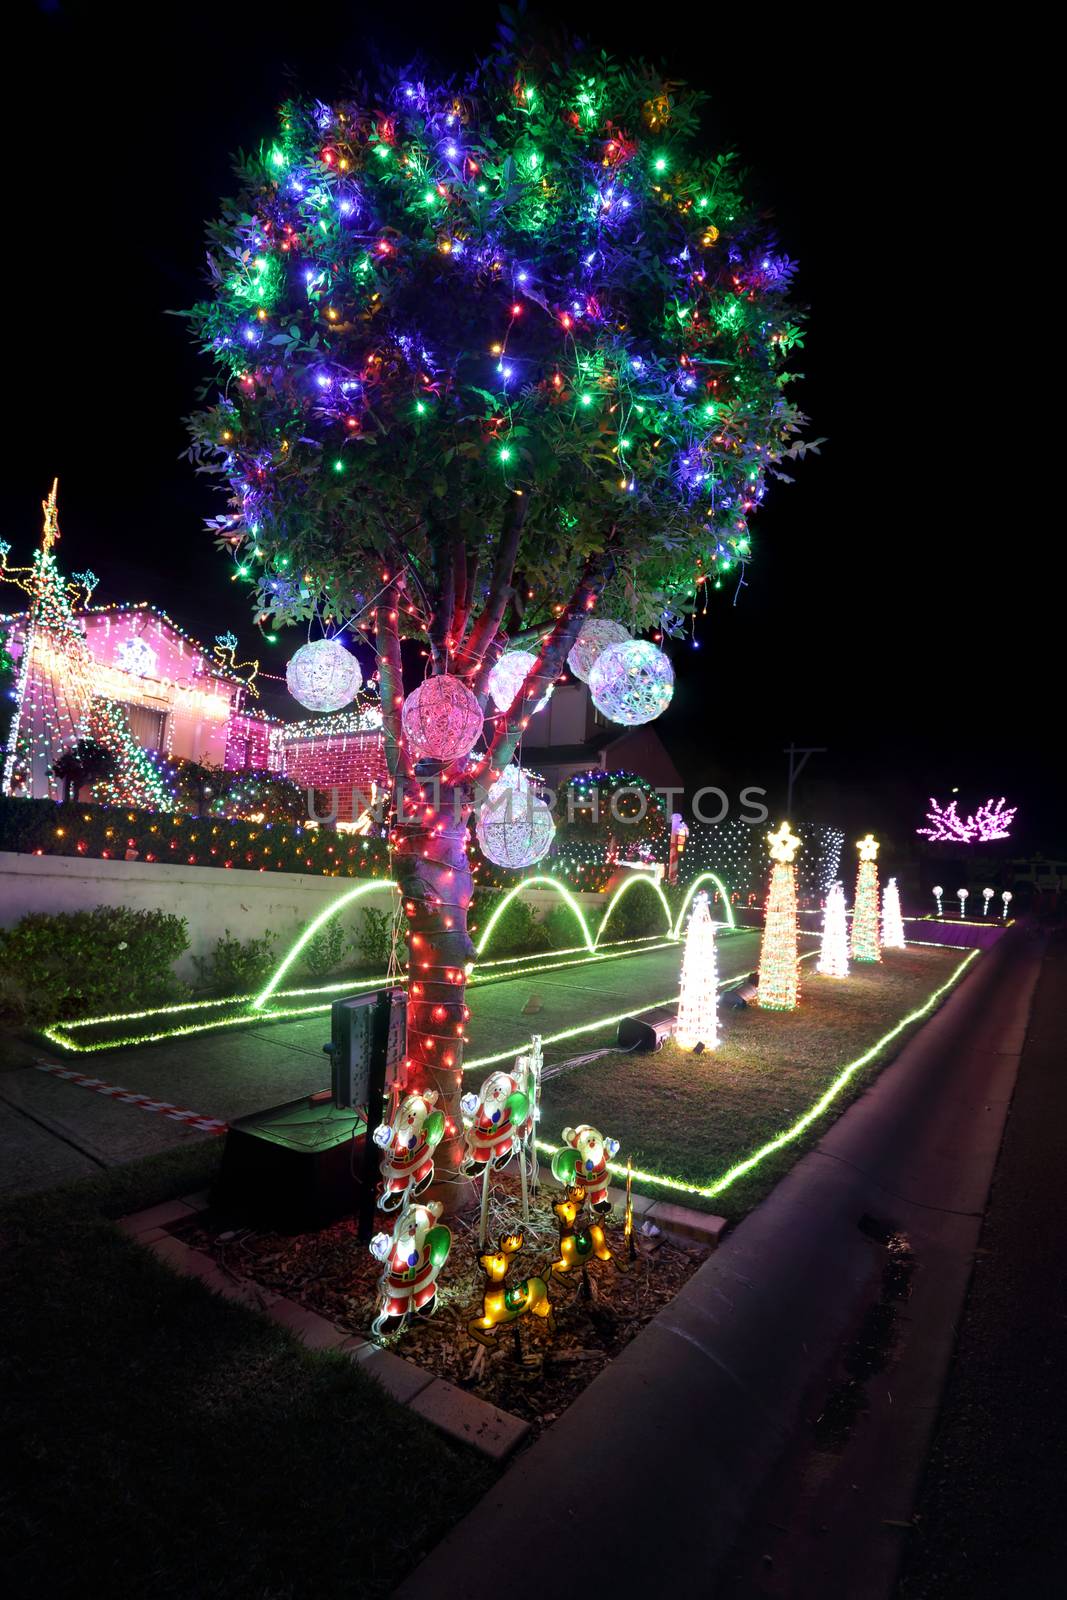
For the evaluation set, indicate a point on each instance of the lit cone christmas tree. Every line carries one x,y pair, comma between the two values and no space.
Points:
698,1018
779,974
54,689
833,952
865,943
892,921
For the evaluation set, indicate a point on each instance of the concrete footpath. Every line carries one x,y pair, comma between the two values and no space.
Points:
685,1429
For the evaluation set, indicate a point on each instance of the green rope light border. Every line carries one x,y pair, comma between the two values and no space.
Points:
791,1134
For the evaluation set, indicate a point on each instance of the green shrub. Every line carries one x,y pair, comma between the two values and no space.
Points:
516,932
374,939
562,930
325,950
236,966
76,963
638,914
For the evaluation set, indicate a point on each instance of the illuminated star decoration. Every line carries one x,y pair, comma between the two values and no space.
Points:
991,821
784,844
868,848
50,507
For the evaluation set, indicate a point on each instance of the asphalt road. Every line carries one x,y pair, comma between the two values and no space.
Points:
52,1130
990,1521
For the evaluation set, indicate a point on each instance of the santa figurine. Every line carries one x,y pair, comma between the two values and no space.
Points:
584,1161
407,1144
414,1254
497,1121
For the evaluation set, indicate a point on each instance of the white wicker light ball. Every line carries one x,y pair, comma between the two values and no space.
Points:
512,777
595,636
632,683
441,719
508,677
323,675
514,829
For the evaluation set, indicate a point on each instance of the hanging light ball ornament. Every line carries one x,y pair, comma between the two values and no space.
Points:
508,677
441,719
513,777
514,828
595,635
323,675
632,683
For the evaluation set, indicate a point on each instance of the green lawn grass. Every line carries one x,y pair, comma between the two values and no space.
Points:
159,1440
692,1117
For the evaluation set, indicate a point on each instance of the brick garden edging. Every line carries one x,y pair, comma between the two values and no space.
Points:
461,1415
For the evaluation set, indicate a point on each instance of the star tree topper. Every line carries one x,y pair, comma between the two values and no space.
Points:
783,845
868,848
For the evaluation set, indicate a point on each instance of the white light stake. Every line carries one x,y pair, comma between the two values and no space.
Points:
987,895
938,892
962,893
1006,897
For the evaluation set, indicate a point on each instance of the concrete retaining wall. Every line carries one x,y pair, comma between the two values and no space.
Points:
211,899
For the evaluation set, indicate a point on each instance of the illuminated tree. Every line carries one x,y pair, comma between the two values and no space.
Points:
698,1022
779,968
865,941
199,785
53,689
491,357
833,952
892,920
616,813
83,762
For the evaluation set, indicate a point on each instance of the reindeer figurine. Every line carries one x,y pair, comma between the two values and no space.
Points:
501,1305
577,1244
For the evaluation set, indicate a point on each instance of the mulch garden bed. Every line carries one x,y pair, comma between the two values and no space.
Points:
534,1376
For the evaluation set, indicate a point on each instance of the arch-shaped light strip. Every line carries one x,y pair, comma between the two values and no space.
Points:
528,883
705,877
312,929
634,882
539,879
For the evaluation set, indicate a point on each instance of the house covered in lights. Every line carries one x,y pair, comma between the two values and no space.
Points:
130,678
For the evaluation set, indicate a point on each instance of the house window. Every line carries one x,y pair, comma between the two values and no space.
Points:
147,725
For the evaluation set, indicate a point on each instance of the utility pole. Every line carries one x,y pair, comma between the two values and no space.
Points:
797,767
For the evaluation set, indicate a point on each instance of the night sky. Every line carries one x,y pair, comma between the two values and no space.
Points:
894,613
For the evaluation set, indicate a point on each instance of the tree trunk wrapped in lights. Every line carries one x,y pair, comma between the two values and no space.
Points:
866,945
779,970
460,398
433,874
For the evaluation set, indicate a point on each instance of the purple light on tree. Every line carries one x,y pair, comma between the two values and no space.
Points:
991,821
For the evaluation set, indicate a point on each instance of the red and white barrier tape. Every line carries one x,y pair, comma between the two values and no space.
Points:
128,1097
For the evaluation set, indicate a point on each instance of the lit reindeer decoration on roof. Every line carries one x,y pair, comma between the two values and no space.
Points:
225,653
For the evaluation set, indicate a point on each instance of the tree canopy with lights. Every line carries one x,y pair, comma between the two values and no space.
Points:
491,355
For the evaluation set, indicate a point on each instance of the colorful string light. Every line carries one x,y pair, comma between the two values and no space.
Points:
865,921
698,1022
779,972
833,952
